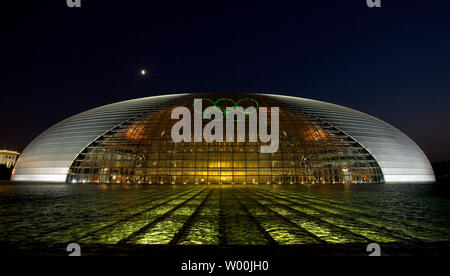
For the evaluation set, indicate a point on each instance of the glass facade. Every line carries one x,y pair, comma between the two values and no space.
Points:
141,150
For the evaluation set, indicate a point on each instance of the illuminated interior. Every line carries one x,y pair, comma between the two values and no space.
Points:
141,151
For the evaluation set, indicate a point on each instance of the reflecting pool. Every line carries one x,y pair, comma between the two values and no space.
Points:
223,215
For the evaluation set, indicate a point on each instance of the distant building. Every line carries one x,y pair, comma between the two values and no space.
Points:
8,158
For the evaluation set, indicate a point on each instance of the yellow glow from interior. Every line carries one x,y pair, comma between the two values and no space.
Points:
315,134
135,132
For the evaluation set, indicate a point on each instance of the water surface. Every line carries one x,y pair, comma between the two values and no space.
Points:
223,215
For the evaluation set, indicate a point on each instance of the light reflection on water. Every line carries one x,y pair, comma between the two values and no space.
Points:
232,215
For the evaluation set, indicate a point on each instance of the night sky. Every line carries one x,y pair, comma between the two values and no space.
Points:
391,62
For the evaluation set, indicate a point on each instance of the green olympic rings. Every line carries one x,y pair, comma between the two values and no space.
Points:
235,104
224,110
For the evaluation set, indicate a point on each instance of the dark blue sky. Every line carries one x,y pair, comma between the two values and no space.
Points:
392,62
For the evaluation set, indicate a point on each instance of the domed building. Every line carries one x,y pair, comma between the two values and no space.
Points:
130,142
